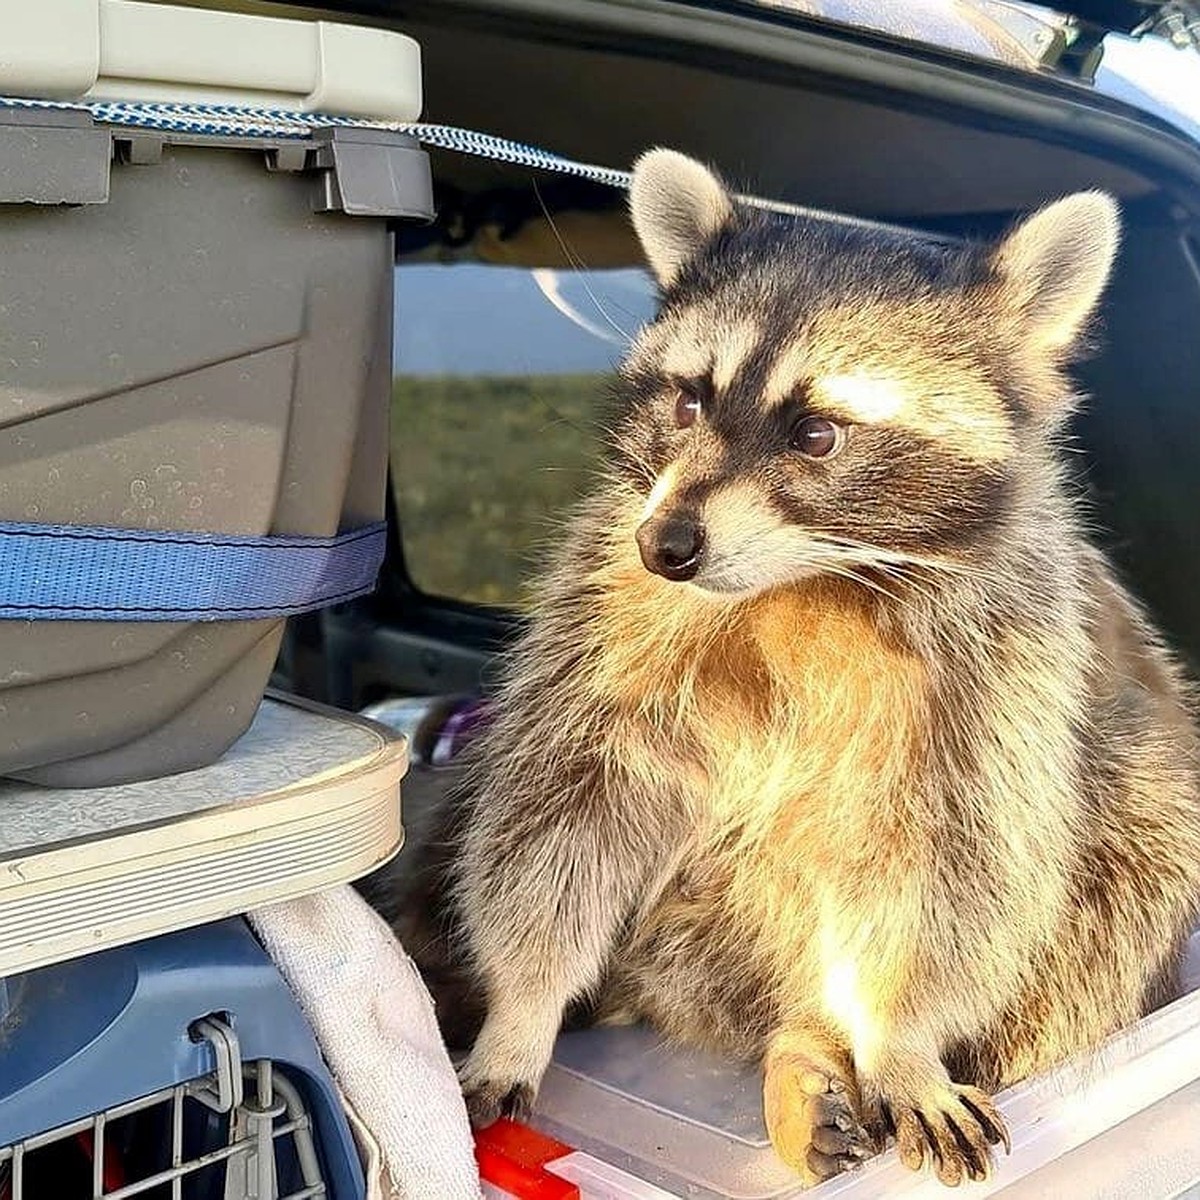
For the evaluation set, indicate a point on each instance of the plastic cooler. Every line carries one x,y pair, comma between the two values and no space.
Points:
195,335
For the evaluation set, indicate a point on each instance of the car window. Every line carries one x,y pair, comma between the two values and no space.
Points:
1008,31
500,377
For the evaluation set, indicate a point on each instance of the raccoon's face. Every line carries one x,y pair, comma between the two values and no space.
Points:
820,398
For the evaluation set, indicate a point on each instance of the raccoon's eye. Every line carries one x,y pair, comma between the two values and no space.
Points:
689,400
817,437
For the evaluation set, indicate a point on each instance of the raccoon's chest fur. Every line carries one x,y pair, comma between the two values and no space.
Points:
804,715
804,722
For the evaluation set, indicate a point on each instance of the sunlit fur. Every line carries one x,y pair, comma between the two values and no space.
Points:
899,794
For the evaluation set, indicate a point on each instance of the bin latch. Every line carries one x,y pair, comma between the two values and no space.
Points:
371,173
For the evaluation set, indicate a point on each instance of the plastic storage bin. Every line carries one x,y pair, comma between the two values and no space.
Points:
634,1116
195,335
182,1060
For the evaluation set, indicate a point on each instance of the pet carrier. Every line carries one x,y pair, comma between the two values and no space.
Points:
178,1067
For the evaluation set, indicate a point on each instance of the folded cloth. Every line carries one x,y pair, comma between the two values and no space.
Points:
374,1021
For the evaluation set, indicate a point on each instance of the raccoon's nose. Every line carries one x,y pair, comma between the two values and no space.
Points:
671,546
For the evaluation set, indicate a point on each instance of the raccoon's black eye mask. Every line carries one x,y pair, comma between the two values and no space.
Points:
812,434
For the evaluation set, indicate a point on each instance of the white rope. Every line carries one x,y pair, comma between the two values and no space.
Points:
228,120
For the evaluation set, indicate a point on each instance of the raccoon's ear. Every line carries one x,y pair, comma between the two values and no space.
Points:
1055,265
677,205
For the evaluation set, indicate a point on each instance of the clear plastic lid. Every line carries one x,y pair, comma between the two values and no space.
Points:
692,1123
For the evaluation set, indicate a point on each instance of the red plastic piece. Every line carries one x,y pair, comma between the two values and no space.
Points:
114,1173
513,1157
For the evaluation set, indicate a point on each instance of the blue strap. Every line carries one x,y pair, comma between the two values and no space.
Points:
80,573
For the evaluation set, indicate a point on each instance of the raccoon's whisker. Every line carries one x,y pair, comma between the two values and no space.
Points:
897,572
879,556
845,572
841,565
606,432
877,553
627,312
558,417
855,562
622,333
646,468
919,588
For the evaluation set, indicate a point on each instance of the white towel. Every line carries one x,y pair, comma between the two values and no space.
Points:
375,1024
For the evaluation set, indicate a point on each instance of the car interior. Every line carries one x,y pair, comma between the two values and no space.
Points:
514,303
819,116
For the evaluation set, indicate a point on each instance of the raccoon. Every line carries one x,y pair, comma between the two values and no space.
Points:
833,743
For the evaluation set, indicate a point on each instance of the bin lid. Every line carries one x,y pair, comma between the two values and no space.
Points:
132,50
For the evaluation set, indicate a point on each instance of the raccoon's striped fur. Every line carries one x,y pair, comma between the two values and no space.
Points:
832,742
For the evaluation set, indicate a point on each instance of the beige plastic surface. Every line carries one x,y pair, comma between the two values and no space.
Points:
305,800
131,50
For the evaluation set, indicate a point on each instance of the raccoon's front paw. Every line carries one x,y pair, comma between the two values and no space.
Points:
814,1118
949,1125
490,1096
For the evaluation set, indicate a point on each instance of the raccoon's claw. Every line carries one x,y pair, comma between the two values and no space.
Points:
839,1140
488,1101
953,1130
814,1121
500,1077
492,1094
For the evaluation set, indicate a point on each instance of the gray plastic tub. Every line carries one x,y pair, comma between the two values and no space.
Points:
194,335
